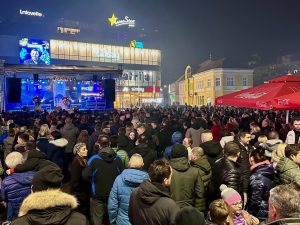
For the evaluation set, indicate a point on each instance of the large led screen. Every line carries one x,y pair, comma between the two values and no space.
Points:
34,51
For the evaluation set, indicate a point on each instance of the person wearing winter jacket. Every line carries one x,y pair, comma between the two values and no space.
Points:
43,139
16,186
195,131
150,203
187,187
77,186
176,139
228,170
146,152
35,160
288,167
8,142
293,136
200,161
261,182
212,149
105,166
47,204
124,184
56,148
271,144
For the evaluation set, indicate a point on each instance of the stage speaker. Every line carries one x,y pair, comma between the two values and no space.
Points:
95,78
13,90
35,77
109,90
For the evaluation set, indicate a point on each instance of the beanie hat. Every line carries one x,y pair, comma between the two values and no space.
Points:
229,195
189,216
13,159
123,141
178,151
77,147
48,177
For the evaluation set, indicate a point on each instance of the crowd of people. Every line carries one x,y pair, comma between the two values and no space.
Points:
151,166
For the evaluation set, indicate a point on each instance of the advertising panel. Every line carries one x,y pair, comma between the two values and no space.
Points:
34,51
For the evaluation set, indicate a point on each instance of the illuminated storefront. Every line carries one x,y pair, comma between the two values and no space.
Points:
135,86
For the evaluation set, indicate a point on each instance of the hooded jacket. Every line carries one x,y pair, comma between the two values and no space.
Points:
36,160
261,182
195,135
55,152
205,169
42,144
118,202
288,171
105,166
176,139
270,146
15,188
150,204
49,207
147,153
187,187
212,150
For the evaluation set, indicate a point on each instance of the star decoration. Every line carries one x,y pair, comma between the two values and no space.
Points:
112,20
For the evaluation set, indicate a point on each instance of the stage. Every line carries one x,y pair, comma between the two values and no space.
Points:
82,87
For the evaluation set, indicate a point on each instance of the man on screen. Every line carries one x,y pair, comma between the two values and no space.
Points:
34,54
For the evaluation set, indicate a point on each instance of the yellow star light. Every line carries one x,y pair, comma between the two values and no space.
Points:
112,20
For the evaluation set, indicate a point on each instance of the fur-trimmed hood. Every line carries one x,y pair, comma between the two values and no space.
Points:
61,142
47,199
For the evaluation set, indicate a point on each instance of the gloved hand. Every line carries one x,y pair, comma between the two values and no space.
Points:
245,199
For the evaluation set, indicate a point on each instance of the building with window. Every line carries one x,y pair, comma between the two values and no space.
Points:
213,78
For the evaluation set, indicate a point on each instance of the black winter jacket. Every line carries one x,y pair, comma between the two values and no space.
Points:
150,204
36,160
261,182
146,152
229,174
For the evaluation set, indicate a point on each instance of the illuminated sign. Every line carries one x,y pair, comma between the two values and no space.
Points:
29,13
114,21
67,30
140,78
136,44
137,89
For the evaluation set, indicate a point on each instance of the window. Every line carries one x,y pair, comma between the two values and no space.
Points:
208,83
230,81
245,81
218,81
201,84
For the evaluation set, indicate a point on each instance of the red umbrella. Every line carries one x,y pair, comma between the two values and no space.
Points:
262,96
289,101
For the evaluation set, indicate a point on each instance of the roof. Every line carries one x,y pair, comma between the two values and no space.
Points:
219,63
16,68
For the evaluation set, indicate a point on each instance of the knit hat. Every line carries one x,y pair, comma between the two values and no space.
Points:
13,159
229,195
178,150
189,216
77,147
48,177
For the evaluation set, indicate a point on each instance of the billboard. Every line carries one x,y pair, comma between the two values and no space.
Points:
34,51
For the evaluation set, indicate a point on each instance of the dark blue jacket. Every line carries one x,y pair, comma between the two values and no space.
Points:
15,188
43,144
261,182
55,152
118,202
105,166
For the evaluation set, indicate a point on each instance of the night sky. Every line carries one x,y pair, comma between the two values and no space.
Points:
187,31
